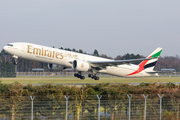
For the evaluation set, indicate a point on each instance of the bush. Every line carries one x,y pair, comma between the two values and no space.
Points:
169,115
3,88
144,84
170,85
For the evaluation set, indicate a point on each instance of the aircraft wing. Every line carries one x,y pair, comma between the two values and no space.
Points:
104,64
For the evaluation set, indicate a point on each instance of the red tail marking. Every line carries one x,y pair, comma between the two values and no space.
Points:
141,67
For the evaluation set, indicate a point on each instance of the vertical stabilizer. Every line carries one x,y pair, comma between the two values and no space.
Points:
149,65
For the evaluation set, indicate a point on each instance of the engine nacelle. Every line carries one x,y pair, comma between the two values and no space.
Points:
55,67
81,65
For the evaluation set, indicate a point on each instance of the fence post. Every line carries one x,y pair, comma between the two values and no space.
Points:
129,106
32,98
99,97
145,106
66,106
160,104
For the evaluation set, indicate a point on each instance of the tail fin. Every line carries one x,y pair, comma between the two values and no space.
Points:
149,65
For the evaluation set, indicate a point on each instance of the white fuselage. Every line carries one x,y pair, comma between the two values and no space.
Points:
65,58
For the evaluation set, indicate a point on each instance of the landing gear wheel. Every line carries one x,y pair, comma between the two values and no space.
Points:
93,77
96,78
90,75
75,75
78,75
82,77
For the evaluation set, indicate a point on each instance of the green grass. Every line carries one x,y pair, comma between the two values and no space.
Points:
72,80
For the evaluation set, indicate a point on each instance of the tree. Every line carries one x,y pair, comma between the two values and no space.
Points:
3,69
68,49
11,70
105,56
3,52
128,56
74,50
7,69
80,51
96,53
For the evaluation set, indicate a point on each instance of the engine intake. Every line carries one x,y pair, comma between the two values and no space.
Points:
81,65
55,67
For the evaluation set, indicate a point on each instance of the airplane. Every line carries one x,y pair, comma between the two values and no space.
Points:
59,59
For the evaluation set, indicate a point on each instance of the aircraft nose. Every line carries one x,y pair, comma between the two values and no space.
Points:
5,48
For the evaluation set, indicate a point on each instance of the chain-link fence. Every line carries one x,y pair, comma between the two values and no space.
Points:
58,74
64,74
91,108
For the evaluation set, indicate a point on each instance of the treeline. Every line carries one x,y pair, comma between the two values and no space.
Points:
167,62
95,53
7,69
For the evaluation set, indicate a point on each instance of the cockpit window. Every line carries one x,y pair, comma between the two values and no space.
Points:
9,45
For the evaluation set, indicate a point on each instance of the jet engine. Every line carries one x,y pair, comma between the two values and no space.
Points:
81,65
55,67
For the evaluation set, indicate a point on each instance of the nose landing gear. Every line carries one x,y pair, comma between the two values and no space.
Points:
14,61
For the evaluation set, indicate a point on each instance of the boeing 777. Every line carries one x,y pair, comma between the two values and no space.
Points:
58,59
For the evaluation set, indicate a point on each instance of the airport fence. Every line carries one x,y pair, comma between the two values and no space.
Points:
66,74
58,74
71,73
133,107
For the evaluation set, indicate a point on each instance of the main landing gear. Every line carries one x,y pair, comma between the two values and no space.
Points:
93,76
78,75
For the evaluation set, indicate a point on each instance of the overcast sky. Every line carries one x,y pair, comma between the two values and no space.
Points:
113,27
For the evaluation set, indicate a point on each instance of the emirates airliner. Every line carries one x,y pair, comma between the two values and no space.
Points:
58,59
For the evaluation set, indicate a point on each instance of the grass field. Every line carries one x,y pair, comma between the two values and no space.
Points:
72,80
